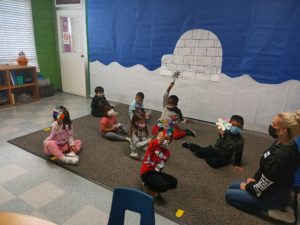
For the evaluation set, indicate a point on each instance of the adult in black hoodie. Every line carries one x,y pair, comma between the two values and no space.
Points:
268,191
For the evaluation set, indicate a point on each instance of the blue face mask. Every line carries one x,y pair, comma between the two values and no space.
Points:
234,130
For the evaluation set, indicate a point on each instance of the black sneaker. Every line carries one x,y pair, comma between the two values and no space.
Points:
190,132
185,144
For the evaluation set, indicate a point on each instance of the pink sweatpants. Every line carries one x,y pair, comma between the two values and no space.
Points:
51,148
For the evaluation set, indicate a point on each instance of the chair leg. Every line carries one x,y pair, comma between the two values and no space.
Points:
296,206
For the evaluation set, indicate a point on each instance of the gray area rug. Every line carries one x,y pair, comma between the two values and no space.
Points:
200,191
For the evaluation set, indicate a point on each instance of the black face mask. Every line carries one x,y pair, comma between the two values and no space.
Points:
272,132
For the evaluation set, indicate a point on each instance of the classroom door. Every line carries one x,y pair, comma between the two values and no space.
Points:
72,50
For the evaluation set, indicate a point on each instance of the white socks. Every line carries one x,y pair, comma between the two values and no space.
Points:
70,158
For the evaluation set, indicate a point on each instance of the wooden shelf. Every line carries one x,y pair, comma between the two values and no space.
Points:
16,67
20,76
3,88
23,85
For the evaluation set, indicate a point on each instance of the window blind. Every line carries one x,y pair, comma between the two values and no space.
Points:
16,31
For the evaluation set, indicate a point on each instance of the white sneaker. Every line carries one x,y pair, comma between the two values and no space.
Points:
286,215
70,159
128,140
134,155
72,154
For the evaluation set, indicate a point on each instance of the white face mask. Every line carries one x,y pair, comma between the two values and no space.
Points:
112,113
170,107
165,143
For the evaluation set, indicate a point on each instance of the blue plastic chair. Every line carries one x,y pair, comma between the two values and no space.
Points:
297,185
133,200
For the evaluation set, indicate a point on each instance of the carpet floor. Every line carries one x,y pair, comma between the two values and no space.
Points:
200,191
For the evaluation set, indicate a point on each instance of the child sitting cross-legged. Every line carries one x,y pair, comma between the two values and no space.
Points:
139,134
60,143
229,143
109,127
154,161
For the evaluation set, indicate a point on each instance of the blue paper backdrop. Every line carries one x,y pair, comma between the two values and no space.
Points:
259,37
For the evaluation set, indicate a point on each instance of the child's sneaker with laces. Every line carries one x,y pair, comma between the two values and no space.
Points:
185,144
190,132
134,155
72,154
70,159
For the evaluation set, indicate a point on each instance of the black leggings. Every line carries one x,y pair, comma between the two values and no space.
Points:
158,181
210,155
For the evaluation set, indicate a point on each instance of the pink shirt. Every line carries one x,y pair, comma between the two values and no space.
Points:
61,136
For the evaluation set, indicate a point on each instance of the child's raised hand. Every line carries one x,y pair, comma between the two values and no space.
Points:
170,86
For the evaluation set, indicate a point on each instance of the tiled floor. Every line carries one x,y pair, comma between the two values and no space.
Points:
33,186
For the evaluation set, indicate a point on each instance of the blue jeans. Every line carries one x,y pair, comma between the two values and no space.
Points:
244,201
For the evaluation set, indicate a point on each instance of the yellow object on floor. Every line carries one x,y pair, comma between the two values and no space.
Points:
53,158
179,213
47,129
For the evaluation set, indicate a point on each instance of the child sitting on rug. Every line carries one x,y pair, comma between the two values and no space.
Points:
138,133
137,106
172,113
154,161
109,127
229,143
60,143
98,102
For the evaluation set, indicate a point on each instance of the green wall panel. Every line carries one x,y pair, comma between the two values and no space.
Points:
44,22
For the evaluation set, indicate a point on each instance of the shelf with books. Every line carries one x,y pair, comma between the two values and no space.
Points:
19,83
3,88
3,80
4,97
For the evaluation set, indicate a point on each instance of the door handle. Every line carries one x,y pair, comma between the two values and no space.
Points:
81,56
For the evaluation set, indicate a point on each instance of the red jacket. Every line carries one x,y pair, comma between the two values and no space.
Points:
155,157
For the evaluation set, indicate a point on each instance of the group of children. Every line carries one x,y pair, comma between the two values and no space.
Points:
61,144
163,132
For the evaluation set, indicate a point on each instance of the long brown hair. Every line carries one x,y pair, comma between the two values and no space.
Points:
137,116
67,119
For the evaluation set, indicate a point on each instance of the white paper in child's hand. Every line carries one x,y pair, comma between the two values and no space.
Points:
223,124
175,75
